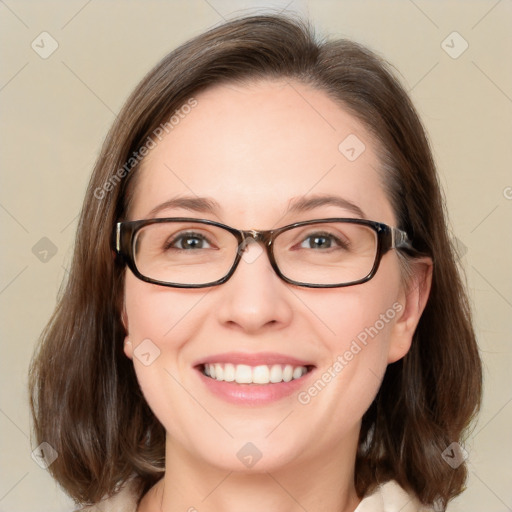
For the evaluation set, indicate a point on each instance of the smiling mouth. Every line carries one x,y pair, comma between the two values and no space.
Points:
262,374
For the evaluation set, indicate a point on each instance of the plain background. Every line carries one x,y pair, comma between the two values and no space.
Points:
56,112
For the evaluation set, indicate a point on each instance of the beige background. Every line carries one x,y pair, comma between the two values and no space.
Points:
56,111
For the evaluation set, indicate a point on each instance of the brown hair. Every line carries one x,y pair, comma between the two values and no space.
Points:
85,398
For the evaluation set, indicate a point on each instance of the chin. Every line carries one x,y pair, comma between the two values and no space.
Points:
244,453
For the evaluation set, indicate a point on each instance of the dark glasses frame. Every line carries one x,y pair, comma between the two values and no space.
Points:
388,238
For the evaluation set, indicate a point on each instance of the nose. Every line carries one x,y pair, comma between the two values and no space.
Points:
254,298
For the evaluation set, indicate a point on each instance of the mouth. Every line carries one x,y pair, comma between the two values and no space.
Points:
261,374
253,379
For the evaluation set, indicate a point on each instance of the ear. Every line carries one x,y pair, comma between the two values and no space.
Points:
413,300
127,347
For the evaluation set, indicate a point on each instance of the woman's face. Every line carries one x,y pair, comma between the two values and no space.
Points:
254,151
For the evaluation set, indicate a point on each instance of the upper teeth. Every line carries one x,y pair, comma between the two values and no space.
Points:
244,374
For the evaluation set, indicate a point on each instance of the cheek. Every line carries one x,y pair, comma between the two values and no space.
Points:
159,324
156,313
358,327
359,313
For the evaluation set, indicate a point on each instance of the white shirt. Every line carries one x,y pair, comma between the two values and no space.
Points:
389,497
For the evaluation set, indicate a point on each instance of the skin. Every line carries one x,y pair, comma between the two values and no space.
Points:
231,147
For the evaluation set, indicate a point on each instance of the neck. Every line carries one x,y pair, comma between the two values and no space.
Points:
325,482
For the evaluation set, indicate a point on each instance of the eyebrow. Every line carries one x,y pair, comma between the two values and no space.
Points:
303,204
194,204
295,205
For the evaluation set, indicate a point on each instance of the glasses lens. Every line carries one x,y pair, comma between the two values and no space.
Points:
184,252
326,253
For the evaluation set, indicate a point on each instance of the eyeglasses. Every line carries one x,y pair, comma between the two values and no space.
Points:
196,253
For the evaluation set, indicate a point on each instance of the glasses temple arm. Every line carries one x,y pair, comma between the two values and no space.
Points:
400,239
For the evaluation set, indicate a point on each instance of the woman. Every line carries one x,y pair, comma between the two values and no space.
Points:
263,310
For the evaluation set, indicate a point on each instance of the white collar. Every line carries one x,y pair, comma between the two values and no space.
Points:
389,497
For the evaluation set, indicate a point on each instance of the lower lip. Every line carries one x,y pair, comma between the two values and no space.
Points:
253,394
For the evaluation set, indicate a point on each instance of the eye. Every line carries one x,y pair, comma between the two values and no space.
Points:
188,241
322,241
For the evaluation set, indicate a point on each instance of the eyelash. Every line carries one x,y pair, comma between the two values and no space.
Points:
180,236
330,236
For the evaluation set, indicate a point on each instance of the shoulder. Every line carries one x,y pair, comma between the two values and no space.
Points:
390,497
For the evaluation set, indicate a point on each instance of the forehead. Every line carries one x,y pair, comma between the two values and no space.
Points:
253,148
